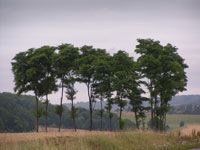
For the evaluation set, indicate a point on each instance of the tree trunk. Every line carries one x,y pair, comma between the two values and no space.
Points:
156,112
46,119
153,126
61,99
164,122
90,105
120,117
101,112
110,119
90,115
37,119
152,105
136,120
161,115
73,115
143,123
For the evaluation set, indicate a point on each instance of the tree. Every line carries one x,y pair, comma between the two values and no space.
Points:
108,107
136,101
48,82
149,65
70,94
122,67
102,78
27,68
86,71
172,79
134,94
164,74
64,60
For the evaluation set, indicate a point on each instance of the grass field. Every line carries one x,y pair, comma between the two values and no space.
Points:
185,138
85,140
173,120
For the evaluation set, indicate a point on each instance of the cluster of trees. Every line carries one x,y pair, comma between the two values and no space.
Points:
116,78
164,70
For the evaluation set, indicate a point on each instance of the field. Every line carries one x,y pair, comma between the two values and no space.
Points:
173,120
96,140
185,138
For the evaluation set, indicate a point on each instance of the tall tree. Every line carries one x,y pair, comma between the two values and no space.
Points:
164,72
122,67
48,82
108,107
28,72
86,72
172,79
102,79
64,60
70,94
149,64
136,101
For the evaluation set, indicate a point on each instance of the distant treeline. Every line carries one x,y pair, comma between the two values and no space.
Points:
117,79
182,104
192,109
17,114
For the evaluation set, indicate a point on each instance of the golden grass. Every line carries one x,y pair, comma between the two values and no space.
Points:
97,140
18,137
190,129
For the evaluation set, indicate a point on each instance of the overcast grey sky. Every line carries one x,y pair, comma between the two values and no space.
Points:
110,24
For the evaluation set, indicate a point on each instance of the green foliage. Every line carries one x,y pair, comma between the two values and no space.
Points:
182,123
86,60
17,115
65,60
164,71
74,112
70,88
65,64
39,113
121,123
33,72
123,75
89,70
59,110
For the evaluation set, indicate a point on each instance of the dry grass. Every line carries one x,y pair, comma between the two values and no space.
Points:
189,129
189,132
20,137
96,140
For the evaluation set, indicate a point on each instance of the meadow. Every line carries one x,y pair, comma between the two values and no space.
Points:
173,120
184,139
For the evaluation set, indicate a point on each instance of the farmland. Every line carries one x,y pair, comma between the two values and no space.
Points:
173,120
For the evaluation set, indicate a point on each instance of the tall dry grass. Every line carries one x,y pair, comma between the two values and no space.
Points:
190,129
96,140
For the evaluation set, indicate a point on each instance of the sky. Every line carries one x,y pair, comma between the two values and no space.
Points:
110,24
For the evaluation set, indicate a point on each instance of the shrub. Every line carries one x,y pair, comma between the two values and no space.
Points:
181,124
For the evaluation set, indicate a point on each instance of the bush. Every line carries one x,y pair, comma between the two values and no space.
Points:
181,124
